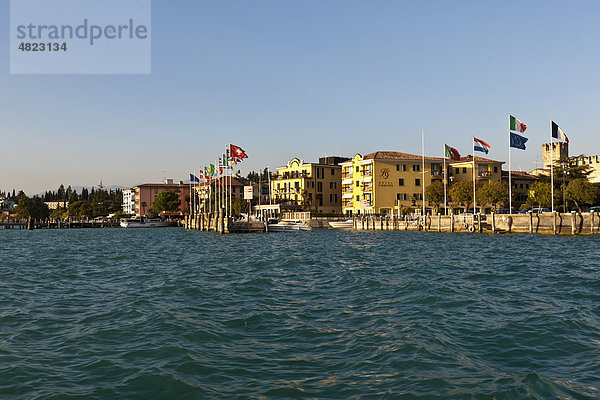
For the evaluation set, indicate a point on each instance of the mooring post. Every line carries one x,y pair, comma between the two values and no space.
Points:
451,222
554,222
530,221
573,222
493,222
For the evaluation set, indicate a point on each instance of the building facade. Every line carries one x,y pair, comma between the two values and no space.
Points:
559,151
385,182
144,196
521,185
311,186
129,202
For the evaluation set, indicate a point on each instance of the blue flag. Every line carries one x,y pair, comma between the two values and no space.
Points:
517,141
194,178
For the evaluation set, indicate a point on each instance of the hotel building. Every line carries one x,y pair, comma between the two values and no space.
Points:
312,186
143,196
385,182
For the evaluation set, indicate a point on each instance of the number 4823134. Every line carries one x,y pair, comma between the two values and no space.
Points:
43,46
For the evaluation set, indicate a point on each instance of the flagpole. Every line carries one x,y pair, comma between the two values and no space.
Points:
552,167
509,172
474,201
423,162
445,196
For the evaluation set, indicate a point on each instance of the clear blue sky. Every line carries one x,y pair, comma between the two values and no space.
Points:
301,78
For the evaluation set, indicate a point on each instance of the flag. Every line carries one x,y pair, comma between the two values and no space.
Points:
517,141
558,133
452,153
237,152
194,178
212,170
480,145
201,175
516,125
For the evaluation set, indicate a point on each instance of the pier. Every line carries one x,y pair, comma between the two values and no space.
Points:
55,224
547,223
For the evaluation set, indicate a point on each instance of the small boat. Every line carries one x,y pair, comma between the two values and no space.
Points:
348,224
143,222
275,225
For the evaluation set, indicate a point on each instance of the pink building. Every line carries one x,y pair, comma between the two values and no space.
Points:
146,193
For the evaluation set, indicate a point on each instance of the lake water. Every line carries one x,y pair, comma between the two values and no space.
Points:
174,314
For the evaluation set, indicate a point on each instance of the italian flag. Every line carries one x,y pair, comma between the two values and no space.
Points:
516,125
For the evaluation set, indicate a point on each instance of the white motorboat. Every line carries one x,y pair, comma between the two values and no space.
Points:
348,224
143,222
286,226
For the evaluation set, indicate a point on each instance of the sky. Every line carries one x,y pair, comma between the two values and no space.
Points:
285,79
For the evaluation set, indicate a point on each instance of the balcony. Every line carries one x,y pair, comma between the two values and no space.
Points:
437,174
367,172
348,203
347,189
289,175
485,174
367,188
346,175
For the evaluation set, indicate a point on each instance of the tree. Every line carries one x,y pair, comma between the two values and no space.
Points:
166,201
434,193
462,193
32,209
493,193
143,204
581,192
540,195
80,209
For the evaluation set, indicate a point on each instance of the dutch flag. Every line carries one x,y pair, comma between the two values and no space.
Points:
480,145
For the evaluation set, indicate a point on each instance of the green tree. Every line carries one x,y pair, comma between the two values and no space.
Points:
32,209
493,193
462,193
81,209
540,195
581,192
166,201
434,194
143,204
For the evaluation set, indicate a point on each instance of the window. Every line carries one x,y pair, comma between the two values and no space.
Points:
357,198
357,183
400,182
401,196
457,171
418,196
332,171
495,170
417,182
297,185
527,186
464,170
357,168
155,190
521,186
319,186
416,167
278,187
401,167
333,198
332,185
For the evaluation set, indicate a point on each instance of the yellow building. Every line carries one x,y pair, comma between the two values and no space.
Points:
386,181
312,186
486,170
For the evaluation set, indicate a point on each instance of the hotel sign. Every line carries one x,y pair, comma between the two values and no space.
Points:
248,193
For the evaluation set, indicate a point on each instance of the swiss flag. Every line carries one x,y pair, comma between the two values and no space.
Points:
237,152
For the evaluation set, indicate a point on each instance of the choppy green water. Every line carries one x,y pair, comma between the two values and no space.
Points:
170,314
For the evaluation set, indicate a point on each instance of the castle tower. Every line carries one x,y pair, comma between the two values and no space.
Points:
559,150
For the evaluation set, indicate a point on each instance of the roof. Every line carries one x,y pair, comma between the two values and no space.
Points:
396,155
469,159
519,175
173,185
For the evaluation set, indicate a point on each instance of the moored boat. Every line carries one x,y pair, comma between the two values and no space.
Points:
348,224
275,225
143,222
